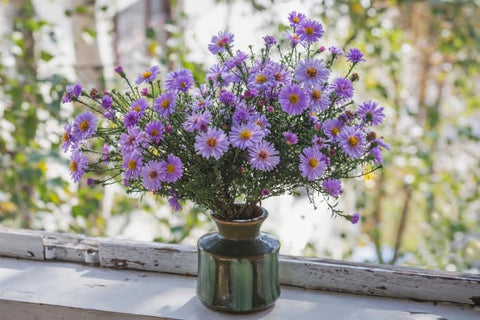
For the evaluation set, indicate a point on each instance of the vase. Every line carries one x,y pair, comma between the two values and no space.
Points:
238,266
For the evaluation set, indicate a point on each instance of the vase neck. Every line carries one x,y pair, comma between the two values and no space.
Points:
241,229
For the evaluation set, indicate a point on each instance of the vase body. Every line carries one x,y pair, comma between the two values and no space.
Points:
238,266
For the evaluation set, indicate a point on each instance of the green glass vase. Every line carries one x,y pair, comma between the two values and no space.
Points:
238,266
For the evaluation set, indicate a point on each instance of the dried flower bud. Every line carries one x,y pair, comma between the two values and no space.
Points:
355,77
94,93
371,136
241,170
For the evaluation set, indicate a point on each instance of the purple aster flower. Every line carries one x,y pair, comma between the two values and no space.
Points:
355,218
332,186
119,70
198,121
319,100
261,79
165,104
269,41
212,143
236,60
369,112
132,140
68,139
280,73
84,126
90,182
139,106
107,102
290,138
154,131
71,91
262,121
133,163
352,142
151,175
332,128
110,114
181,80
293,38
245,135
148,76
172,169
295,18
336,50
310,31
354,55
313,163
131,119
343,88
318,142
78,165
312,72
173,202
377,155
226,97
265,192
263,156
241,114
219,75
293,99
105,153
220,42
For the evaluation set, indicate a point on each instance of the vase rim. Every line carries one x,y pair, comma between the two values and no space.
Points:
262,217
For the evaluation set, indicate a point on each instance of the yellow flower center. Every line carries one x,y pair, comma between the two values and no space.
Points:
136,108
245,134
170,168
316,95
165,103
65,137
309,30
73,166
183,84
335,131
154,132
311,72
146,74
132,164
293,98
296,20
84,125
260,79
352,141
212,142
313,163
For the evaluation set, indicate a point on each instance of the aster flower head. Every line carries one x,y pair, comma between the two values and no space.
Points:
174,204
263,156
261,79
165,104
312,72
219,75
371,113
181,80
290,138
172,169
313,163
354,55
139,106
72,92
220,42
78,165
336,50
296,18
352,142
154,131
107,102
332,127
309,31
319,100
131,119
84,126
343,88
269,41
198,121
355,218
332,186
212,143
148,76
293,99
152,174
132,163
68,139
131,140
245,135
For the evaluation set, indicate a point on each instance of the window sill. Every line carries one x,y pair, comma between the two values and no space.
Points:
57,286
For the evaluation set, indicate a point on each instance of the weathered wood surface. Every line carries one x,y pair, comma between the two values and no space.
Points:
319,274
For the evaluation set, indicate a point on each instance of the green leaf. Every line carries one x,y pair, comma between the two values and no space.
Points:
46,56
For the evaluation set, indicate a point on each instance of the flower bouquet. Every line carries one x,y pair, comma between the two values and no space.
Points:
262,124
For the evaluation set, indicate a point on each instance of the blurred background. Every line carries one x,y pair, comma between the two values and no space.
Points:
423,63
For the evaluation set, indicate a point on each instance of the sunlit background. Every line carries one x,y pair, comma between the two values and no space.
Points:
422,209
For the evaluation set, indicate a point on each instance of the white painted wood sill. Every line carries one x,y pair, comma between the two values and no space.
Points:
64,276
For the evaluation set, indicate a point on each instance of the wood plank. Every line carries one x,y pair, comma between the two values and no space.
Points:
170,258
21,245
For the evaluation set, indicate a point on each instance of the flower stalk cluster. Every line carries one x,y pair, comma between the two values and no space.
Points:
261,125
